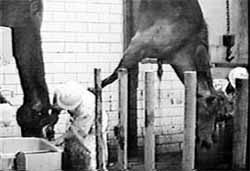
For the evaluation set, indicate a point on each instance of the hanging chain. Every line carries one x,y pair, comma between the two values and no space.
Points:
228,16
228,39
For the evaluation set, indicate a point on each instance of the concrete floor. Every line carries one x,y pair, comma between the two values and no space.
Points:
171,162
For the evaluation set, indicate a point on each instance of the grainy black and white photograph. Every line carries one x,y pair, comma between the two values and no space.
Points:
124,85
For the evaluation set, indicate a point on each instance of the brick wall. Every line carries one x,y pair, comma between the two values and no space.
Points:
79,35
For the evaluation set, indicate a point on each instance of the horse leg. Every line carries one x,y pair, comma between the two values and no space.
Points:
202,65
29,121
195,60
198,60
129,60
29,62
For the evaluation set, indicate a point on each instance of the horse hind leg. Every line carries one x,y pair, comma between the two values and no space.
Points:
197,60
132,56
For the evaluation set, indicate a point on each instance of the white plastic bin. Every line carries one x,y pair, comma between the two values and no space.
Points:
39,154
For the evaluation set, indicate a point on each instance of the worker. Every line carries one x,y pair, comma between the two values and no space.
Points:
236,73
79,139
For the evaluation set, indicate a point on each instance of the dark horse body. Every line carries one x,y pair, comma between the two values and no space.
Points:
25,17
174,32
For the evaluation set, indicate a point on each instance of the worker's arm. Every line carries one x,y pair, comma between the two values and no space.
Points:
84,122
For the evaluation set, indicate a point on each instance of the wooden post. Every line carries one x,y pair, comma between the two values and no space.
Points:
188,157
248,131
123,119
240,125
128,32
100,164
150,99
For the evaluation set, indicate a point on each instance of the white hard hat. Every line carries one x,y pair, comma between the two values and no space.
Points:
69,95
238,72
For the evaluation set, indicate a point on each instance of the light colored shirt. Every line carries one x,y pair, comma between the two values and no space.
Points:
82,127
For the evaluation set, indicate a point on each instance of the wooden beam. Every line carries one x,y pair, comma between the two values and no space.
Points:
128,33
240,125
100,160
149,141
123,118
188,158
248,134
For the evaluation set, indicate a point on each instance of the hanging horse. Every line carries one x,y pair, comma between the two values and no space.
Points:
175,32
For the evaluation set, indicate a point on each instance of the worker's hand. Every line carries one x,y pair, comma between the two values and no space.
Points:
59,141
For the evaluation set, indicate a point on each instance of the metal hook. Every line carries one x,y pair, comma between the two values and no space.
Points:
229,58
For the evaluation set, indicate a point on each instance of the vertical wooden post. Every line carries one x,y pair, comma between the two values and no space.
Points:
128,32
240,125
248,125
149,146
100,164
239,20
188,156
123,118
